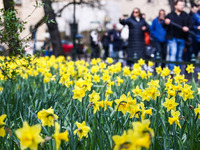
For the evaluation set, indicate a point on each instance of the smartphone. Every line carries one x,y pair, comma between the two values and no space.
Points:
125,15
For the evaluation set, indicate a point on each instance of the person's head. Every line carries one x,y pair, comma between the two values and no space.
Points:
161,13
179,5
136,12
198,5
194,8
143,16
114,26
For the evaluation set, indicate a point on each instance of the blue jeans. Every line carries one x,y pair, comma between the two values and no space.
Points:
119,54
176,47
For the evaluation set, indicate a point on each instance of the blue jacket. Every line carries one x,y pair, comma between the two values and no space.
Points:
196,21
157,31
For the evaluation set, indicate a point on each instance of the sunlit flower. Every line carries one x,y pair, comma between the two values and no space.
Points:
190,68
170,104
29,136
141,61
197,111
109,60
174,118
2,124
79,93
59,136
82,130
47,117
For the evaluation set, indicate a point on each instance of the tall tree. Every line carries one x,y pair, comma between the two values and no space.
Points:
53,28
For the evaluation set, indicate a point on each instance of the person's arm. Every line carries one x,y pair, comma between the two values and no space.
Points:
152,28
124,21
196,24
145,27
165,23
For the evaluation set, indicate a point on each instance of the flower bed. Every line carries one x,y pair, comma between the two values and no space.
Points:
52,103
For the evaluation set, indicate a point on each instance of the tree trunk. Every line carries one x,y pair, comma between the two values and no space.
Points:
53,28
171,4
8,4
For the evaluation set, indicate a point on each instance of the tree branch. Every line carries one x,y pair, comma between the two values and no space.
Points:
91,3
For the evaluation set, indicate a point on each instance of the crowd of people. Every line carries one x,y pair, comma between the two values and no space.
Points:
175,36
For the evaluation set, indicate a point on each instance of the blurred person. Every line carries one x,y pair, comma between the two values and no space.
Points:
94,43
158,34
29,47
177,24
118,43
193,10
137,27
196,27
105,40
189,44
110,33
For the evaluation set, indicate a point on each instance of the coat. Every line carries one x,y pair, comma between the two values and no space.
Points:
182,20
157,31
136,43
196,20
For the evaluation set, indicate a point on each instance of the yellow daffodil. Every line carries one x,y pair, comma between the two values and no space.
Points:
137,91
135,139
96,78
119,81
109,91
109,60
1,88
174,118
186,92
197,111
79,93
82,130
177,70
126,71
170,104
150,63
158,70
29,136
122,142
141,62
165,72
2,124
198,91
121,104
190,68
94,97
47,117
107,103
59,136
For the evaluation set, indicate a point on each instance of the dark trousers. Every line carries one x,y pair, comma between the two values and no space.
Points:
95,51
196,48
161,47
106,48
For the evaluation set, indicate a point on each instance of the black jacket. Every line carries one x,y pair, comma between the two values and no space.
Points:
136,43
117,41
176,32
